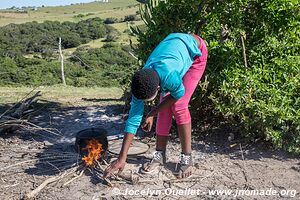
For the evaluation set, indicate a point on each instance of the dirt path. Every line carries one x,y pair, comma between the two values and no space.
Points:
242,168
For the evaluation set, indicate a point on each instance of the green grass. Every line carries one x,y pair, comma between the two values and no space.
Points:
65,95
116,8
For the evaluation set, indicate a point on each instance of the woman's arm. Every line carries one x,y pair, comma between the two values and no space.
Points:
125,146
166,103
119,164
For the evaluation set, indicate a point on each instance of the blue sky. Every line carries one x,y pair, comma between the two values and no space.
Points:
20,3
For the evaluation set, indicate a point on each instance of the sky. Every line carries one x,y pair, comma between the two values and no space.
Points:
19,3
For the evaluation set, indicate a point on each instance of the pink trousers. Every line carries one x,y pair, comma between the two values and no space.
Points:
180,109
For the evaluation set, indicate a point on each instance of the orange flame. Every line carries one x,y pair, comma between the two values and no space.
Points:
94,149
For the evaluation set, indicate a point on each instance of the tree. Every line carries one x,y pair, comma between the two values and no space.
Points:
61,57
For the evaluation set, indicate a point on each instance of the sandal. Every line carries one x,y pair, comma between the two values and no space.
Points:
159,158
184,168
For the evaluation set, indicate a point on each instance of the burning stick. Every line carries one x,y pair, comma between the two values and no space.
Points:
94,149
94,152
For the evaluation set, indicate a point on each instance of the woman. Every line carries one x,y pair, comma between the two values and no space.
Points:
174,67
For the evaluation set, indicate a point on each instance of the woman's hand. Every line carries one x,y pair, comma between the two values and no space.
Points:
119,164
114,166
166,103
147,125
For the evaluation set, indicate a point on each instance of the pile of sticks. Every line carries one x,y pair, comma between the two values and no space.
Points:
16,117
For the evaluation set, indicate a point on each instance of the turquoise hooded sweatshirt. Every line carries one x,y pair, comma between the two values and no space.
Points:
171,59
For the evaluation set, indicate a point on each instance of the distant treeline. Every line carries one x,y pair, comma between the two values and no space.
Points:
107,66
34,37
28,54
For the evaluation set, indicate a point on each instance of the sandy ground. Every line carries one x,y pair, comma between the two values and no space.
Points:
242,169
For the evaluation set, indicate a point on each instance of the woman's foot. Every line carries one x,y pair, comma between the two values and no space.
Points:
184,168
159,158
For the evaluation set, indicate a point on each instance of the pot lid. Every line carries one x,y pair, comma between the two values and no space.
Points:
136,147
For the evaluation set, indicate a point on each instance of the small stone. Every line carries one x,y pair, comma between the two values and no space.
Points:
197,165
46,143
231,137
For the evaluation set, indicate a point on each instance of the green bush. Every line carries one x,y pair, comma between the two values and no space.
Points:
79,16
112,34
129,18
115,63
258,91
111,20
264,99
33,37
105,67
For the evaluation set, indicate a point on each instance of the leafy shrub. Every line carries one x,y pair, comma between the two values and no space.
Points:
89,14
104,67
111,34
18,39
79,16
264,99
129,18
111,20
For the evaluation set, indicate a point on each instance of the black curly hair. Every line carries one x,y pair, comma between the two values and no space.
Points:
144,83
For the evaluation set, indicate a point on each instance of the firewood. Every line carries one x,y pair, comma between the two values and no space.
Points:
10,123
37,190
24,106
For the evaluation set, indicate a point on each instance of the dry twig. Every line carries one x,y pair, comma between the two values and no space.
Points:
244,165
35,192
74,178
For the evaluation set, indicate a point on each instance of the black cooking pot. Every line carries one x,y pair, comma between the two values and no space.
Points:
83,136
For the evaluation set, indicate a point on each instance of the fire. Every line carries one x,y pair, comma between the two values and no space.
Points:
94,149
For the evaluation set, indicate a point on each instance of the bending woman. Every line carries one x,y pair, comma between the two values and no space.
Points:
174,68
